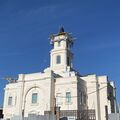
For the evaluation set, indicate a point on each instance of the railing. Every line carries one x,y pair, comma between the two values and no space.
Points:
78,115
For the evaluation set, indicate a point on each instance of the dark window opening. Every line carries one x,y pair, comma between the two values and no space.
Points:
59,43
68,61
10,100
58,59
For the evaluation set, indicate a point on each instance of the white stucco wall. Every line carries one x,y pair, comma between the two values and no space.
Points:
13,90
41,83
22,91
98,95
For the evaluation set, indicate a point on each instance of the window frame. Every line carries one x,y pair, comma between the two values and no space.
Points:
58,59
68,97
10,101
34,99
58,98
59,43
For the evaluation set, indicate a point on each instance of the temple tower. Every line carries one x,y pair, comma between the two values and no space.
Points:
61,55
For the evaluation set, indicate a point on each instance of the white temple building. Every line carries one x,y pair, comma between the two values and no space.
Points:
60,86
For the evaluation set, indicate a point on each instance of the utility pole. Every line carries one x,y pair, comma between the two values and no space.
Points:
118,107
57,113
106,112
52,94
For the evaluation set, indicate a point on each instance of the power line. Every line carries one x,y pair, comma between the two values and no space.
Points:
97,90
87,94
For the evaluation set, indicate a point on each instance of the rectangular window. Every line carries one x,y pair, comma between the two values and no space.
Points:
59,43
68,96
34,98
10,100
85,99
58,98
58,59
80,98
68,61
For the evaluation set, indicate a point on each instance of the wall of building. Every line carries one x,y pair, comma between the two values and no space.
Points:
12,90
103,85
22,92
47,86
97,91
73,85
91,92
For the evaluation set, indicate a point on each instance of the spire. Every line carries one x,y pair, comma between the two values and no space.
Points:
61,30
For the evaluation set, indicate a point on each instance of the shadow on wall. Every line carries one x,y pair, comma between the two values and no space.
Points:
1,113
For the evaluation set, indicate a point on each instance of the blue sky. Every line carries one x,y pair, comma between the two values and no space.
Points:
25,26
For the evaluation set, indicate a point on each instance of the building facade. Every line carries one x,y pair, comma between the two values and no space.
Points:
58,86
101,95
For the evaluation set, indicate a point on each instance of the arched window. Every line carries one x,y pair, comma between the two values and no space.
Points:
58,59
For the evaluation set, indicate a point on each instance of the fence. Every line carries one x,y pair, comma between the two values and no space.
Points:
64,115
78,115
37,117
